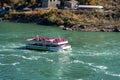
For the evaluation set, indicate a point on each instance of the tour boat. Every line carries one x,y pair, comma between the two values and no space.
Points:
48,44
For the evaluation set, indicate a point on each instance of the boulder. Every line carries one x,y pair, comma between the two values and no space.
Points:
102,30
82,26
117,30
69,29
62,26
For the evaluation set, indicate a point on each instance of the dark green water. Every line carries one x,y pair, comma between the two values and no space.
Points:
95,55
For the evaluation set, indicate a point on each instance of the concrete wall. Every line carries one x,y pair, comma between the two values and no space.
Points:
53,4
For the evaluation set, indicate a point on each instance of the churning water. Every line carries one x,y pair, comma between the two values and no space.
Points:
94,55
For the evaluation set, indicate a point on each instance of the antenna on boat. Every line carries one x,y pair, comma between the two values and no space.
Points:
59,37
37,37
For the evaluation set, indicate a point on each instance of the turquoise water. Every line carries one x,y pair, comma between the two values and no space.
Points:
94,55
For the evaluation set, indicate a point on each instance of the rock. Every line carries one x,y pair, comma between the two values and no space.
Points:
116,29
70,29
62,26
82,26
102,30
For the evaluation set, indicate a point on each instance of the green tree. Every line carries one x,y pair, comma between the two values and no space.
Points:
89,2
82,1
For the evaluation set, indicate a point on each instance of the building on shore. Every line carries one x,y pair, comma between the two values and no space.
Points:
89,7
50,3
71,4
97,8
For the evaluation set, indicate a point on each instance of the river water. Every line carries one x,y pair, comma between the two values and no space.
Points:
94,55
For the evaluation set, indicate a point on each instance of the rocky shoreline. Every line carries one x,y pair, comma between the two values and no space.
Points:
91,29
106,19
68,20
77,27
81,28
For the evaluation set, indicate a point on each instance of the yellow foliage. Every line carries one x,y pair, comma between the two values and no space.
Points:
92,2
33,1
75,17
41,12
93,21
52,18
54,10
7,16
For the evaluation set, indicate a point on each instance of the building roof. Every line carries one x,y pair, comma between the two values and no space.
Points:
89,6
48,0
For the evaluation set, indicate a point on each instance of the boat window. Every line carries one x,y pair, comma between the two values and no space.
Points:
47,45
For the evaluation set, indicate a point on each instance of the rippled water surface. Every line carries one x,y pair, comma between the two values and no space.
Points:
94,55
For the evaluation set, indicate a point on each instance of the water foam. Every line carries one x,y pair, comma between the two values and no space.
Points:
64,59
10,47
82,62
2,55
101,67
79,79
97,68
16,63
21,56
92,53
36,58
2,50
47,59
112,74
92,65
27,58
78,61
30,58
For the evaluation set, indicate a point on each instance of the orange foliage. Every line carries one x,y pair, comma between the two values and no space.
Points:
41,12
91,2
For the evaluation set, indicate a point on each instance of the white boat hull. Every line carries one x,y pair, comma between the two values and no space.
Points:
48,44
44,48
